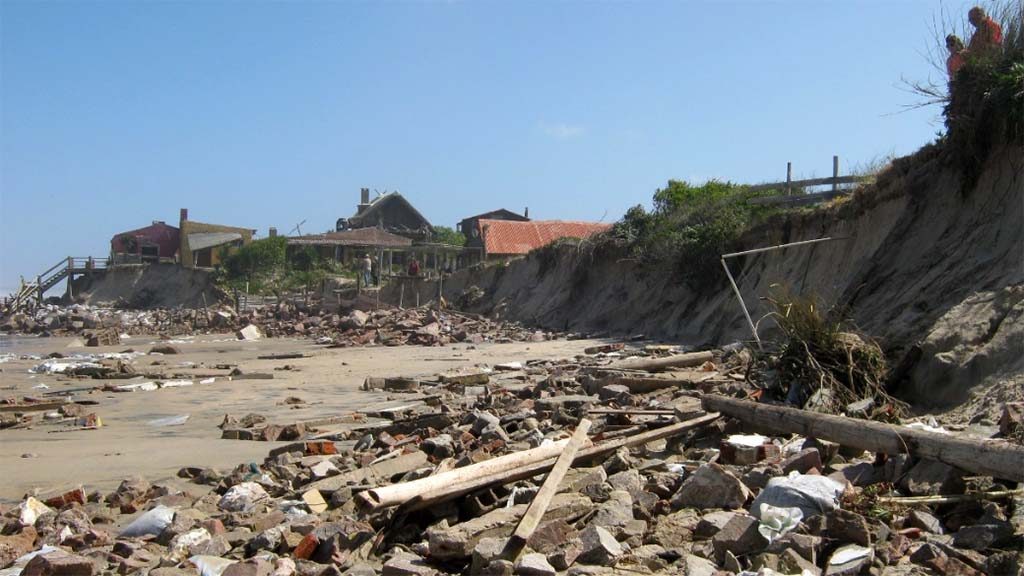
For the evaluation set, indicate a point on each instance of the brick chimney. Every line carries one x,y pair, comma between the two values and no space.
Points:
184,215
273,232
526,212
364,200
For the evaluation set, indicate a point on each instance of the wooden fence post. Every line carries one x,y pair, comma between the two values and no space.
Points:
835,173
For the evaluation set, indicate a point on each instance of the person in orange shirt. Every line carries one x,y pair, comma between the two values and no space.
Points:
956,55
988,35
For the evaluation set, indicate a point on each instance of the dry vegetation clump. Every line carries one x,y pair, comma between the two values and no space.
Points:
824,363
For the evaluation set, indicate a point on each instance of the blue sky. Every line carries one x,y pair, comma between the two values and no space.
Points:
115,114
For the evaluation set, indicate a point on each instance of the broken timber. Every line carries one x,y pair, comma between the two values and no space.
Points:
396,494
991,458
369,501
659,364
547,491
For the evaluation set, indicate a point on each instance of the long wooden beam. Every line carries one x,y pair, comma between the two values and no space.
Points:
995,458
371,500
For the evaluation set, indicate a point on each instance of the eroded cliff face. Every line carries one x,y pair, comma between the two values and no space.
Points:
931,270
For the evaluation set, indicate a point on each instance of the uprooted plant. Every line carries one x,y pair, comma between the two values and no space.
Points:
826,364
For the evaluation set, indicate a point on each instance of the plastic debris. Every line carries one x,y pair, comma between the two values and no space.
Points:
813,495
150,523
777,521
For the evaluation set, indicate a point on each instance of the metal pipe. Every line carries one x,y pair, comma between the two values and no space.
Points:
780,246
736,289
743,305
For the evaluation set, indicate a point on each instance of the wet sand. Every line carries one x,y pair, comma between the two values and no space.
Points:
129,445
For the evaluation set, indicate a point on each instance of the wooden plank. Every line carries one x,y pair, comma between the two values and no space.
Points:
808,182
451,491
995,458
798,200
37,407
539,505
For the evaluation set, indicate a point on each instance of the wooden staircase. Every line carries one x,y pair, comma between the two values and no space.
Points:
67,268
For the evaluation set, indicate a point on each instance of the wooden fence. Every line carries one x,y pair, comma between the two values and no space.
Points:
791,199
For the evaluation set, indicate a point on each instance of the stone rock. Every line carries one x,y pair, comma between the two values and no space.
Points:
550,536
790,562
566,555
697,566
805,545
627,480
58,564
802,461
620,461
982,536
676,530
251,567
407,565
847,526
486,551
738,536
534,565
440,446
931,478
17,545
712,523
711,486
498,568
599,546
859,474
925,521
578,479
616,512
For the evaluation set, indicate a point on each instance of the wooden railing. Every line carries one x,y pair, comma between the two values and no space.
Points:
789,185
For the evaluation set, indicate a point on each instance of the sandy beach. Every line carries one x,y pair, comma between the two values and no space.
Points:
45,458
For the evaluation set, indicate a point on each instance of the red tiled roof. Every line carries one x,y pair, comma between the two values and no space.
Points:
510,237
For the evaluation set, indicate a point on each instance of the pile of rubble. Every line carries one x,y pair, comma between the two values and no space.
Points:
596,465
385,326
82,319
390,326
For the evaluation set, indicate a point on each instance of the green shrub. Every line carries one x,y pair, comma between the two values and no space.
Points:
446,235
267,266
689,228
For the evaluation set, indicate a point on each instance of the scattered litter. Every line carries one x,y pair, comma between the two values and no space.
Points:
170,420
813,495
150,523
778,521
31,509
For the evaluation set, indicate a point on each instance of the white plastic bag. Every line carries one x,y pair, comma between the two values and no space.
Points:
813,495
242,497
211,565
149,523
777,521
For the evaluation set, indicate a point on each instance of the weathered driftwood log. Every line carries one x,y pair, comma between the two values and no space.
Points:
990,457
370,500
659,364
542,499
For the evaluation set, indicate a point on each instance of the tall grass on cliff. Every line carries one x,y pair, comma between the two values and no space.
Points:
983,106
